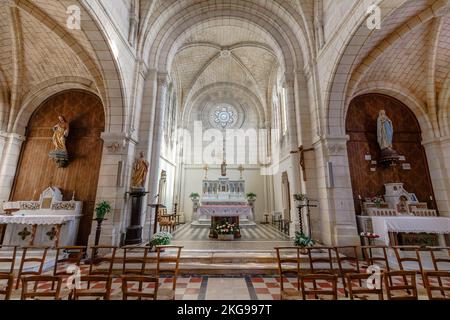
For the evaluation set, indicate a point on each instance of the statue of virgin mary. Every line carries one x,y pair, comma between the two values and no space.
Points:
385,131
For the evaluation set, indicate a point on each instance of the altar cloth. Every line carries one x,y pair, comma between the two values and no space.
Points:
409,224
225,210
38,219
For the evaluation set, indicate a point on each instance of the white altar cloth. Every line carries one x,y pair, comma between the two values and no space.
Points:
410,224
225,211
38,219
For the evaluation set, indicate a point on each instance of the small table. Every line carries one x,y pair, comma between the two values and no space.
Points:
266,217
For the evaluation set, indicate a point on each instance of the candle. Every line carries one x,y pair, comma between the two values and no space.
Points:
34,193
359,197
73,195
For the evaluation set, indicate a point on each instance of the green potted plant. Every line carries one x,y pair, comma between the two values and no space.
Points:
226,231
161,238
251,196
102,209
194,196
300,197
303,241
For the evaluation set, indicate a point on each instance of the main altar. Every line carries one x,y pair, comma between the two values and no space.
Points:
223,200
47,222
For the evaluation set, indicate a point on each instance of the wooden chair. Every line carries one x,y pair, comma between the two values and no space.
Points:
443,289
37,292
11,261
74,256
317,290
437,261
166,221
103,259
6,289
352,262
25,261
139,260
327,260
85,291
401,260
140,294
168,265
408,287
356,291
288,259
372,258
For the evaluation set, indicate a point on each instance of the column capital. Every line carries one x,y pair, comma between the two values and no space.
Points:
10,135
163,78
117,142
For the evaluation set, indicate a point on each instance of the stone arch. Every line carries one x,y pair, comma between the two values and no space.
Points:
251,97
163,41
406,97
103,67
34,99
346,76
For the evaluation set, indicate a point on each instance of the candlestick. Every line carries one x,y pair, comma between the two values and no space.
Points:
73,195
34,194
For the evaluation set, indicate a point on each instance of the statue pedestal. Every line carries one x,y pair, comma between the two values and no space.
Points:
134,231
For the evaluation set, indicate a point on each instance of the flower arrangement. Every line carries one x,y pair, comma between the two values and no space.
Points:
227,228
301,240
369,235
378,201
161,239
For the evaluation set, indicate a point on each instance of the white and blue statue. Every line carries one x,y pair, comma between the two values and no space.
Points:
385,131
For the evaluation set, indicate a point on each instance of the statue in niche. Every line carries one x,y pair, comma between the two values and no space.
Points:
223,169
385,136
402,206
385,131
60,134
140,170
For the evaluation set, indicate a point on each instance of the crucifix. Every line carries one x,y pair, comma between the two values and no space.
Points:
301,150
241,170
206,168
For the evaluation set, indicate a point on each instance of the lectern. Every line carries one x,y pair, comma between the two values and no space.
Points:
156,206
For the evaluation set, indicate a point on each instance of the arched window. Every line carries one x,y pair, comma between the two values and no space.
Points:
284,119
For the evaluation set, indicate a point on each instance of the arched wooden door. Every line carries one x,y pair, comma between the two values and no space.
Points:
36,171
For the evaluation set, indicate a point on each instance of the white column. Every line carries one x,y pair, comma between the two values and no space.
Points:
438,156
10,147
337,212
113,183
160,106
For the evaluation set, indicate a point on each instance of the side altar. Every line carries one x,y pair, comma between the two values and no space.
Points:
223,200
47,222
400,218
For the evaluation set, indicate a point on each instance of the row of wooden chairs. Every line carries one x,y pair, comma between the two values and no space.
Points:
100,267
322,262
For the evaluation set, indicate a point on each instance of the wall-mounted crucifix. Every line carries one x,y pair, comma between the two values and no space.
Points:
301,150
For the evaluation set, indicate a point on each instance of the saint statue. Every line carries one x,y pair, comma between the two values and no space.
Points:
140,170
385,131
60,134
223,169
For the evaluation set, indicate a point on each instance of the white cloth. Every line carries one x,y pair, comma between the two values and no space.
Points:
37,219
225,211
383,225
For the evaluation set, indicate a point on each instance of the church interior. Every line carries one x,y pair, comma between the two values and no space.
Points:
225,150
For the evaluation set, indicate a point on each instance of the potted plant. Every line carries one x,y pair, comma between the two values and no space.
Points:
101,210
226,231
194,196
161,238
300,197
377,201
251,196
303,241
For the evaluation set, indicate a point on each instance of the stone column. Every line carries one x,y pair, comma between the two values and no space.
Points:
336,206
438,156
292,146
10,147
113,182
162,83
